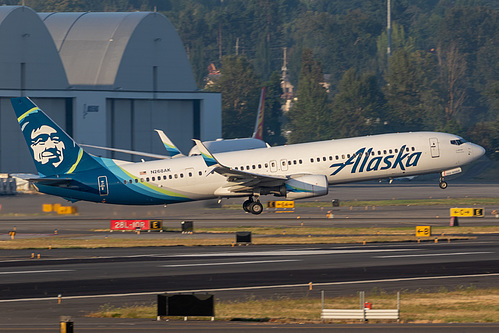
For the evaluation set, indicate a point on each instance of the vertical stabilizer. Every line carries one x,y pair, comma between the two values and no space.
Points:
54,152
258,133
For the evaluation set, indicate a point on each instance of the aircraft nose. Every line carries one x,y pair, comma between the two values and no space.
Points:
478,151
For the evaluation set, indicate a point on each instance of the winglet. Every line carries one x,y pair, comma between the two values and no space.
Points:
207,156
169,145
258,133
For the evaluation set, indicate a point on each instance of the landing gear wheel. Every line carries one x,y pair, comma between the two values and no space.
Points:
246,205
443,184
255,208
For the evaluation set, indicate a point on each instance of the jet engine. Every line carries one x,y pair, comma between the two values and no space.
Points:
306,186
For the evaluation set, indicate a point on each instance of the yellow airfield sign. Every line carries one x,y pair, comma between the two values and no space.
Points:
281,204
466,212
423,231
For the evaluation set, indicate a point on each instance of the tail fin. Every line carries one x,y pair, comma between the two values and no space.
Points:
53,151
258,133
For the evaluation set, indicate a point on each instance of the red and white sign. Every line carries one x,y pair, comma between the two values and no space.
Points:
130,224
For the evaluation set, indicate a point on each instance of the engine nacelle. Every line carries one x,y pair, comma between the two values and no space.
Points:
306,186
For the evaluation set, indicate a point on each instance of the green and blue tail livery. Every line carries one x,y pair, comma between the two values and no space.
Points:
53,151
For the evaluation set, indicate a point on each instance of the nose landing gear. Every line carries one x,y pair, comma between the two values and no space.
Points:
443,184
253,206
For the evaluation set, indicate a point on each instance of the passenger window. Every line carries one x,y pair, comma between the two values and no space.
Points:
141,180
379,152
176,176
147,179
348,155
247,167
153,178
343,157
170,176
136,180
294,162
337,157
384,152
259,166
318,159
413,149
190,174
254,166
266,165
324,158
124,182
300,161
396,151
130,181
181,175
312,160
390,151
407,149
200,173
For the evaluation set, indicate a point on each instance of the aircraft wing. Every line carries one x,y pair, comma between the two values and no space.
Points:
238,180
131,152
170,147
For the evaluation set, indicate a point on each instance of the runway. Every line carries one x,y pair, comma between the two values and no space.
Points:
89,278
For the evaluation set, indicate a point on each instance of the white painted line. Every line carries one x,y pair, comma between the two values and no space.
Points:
432,254
252,288
36,272
289,253
230,263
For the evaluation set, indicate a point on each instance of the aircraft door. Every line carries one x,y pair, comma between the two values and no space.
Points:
434,148
103,187
273,166
284,165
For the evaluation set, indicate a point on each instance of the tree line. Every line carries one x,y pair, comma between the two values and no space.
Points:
442,73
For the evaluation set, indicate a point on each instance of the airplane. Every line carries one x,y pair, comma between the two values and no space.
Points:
293,171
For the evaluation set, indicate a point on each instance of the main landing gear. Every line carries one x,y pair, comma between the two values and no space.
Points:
253,206
443,184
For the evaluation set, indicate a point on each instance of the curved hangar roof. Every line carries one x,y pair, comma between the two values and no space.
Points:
125,51
28,52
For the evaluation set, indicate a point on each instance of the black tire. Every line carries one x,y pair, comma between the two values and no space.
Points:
443,185
246,205
256,208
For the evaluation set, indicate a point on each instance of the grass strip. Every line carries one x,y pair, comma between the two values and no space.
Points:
396,202
463,305
68,243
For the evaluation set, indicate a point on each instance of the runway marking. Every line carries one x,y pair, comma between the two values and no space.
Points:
252,288
289,253
230,263
432,254
36,272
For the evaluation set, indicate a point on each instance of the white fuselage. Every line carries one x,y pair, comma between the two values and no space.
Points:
341,161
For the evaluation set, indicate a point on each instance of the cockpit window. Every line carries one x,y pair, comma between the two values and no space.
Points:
457,142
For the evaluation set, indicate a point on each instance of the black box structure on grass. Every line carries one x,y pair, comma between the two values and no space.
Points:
187,226
243,237
186,305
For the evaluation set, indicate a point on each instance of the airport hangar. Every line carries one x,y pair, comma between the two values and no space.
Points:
108,79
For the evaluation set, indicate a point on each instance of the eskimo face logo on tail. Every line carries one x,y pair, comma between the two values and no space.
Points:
364,161
53,151
47,146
